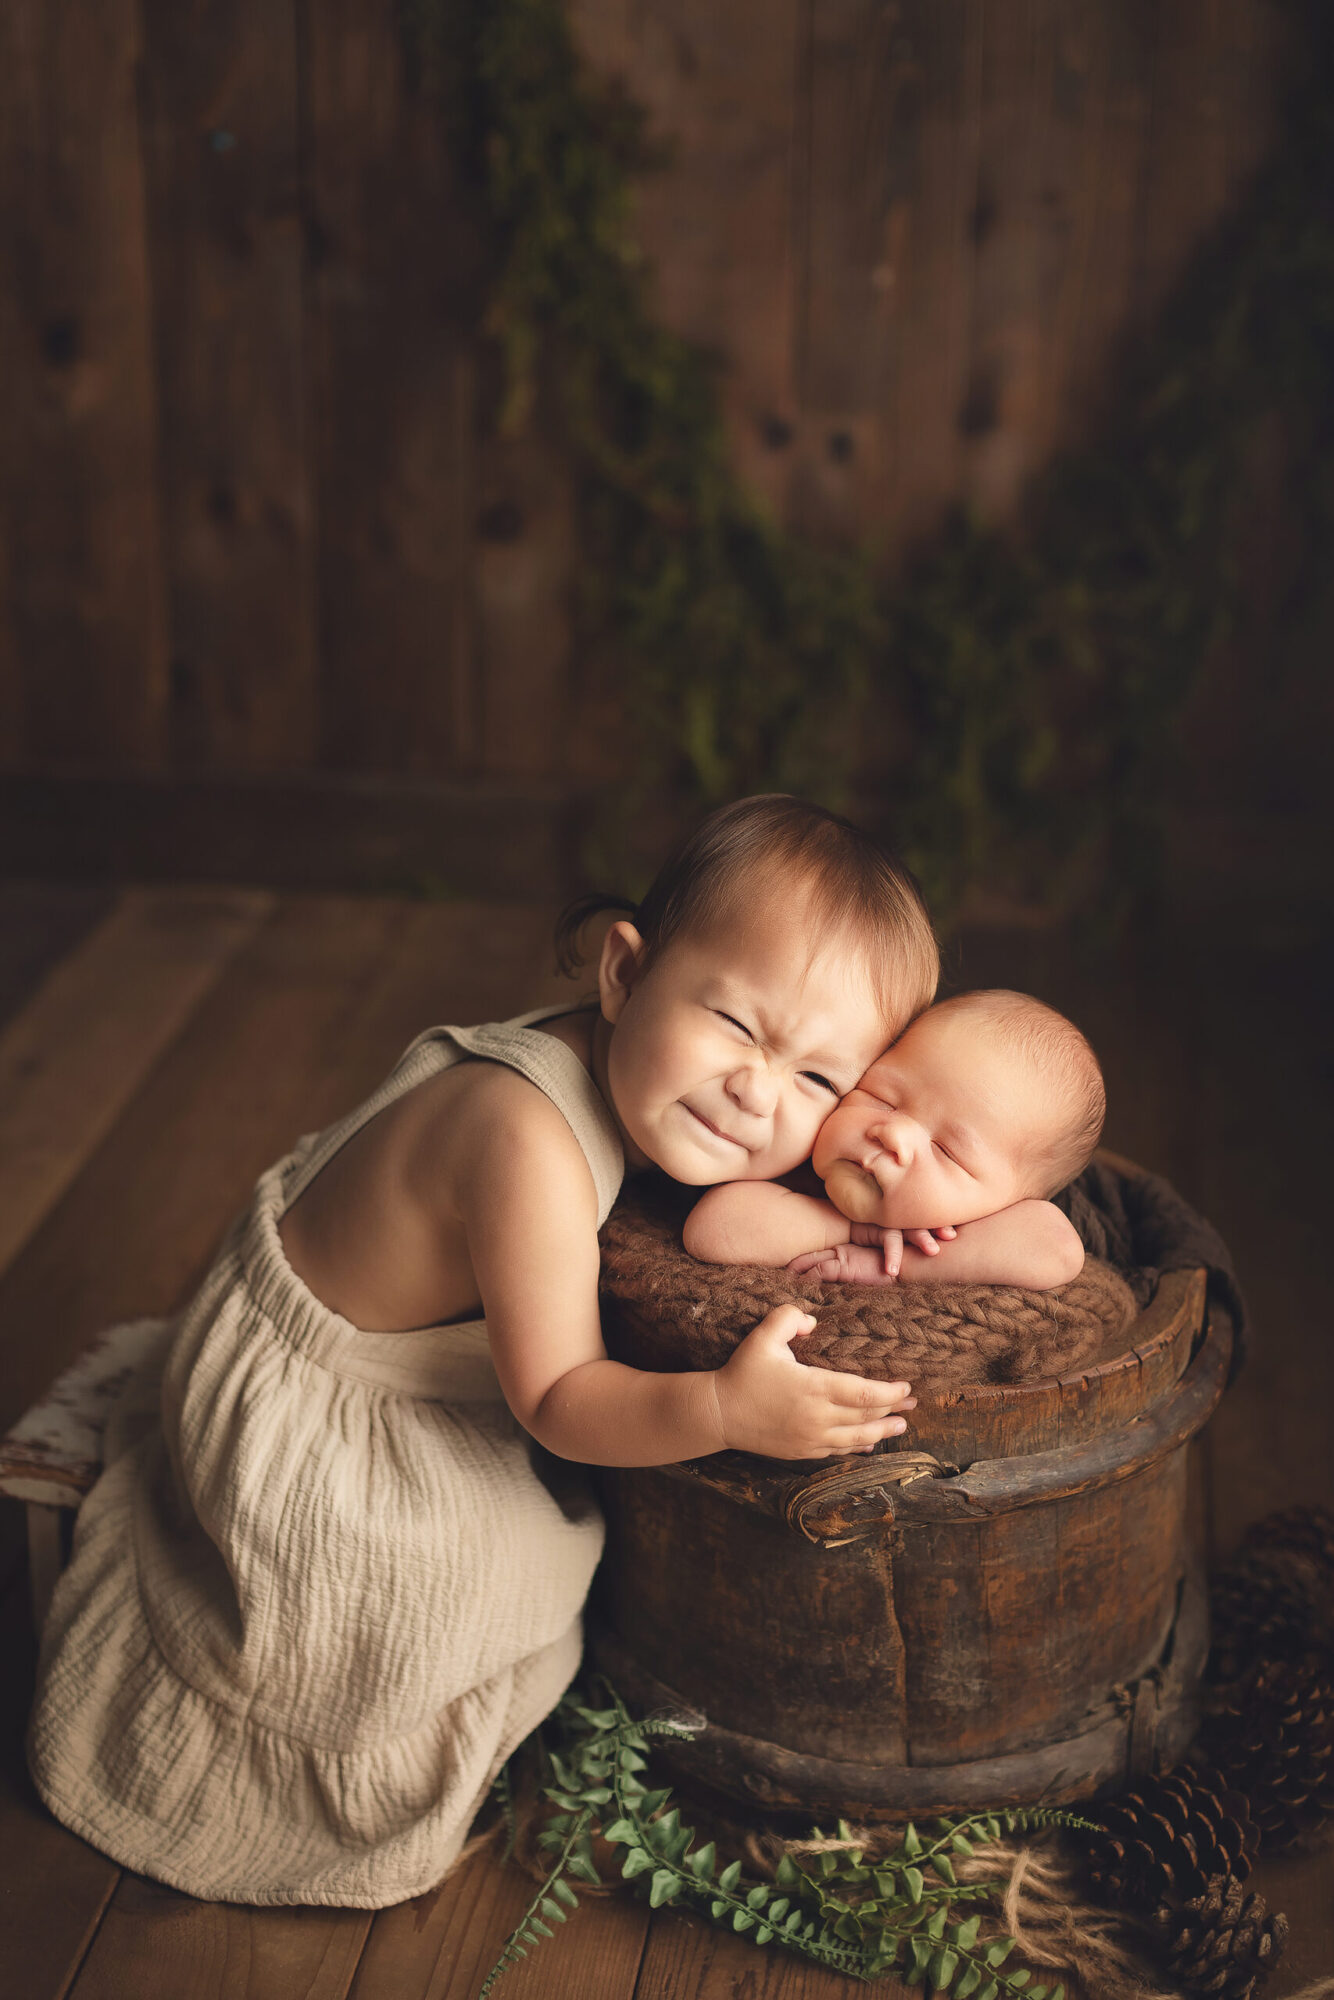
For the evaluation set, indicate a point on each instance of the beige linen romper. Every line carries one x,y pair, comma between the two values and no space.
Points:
311,1611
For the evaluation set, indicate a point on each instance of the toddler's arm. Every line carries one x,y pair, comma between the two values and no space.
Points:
1031,1244
761,1222
528,1204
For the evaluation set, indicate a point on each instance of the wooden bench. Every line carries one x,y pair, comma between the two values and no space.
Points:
53,1454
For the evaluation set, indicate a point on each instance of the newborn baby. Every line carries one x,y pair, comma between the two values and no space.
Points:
938,1164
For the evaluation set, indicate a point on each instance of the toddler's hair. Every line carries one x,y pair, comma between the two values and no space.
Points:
854,881
1054,1046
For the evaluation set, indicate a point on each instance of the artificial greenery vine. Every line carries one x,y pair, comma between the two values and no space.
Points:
1020,689
719,624
904,1911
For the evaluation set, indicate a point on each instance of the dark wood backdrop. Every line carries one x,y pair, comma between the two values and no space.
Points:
255,523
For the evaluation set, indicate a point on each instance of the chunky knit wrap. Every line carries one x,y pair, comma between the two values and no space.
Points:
661,1309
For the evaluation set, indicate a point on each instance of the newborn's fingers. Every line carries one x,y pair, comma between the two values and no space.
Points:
826,1265
923,1240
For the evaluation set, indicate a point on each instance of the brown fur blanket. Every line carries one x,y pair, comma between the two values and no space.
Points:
661,1309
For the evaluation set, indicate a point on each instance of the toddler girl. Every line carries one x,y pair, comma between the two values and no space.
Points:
320,1594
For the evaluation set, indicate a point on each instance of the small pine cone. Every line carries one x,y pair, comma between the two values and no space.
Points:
1168,1838
1221,1942
1272,1738
1306,1531
1271,1603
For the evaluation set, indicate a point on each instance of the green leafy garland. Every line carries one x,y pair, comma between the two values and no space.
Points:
901,1910
1033,681
719,623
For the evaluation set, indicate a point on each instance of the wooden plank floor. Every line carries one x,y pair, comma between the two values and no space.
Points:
159,1047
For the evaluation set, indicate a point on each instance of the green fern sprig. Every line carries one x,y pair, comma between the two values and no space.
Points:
554,1899
911,1894
858,1917
597,1738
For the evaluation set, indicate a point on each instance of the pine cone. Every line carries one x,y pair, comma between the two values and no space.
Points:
1222,1942
1272,1738
1168,1838
1271,1603
1306,1531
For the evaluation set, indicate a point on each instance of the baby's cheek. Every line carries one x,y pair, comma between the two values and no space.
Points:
842,1136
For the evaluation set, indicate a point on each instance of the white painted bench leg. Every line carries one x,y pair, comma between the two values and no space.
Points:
46,1556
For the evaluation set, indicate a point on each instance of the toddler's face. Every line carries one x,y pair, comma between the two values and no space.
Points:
937,1131
730,1052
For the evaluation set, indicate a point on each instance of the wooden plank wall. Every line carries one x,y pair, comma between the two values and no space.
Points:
253,519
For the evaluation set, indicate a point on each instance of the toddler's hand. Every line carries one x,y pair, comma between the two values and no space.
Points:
770,1402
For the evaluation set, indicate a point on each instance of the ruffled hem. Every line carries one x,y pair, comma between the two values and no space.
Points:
296,1852
174,1784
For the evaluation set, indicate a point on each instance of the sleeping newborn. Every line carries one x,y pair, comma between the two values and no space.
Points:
939,1163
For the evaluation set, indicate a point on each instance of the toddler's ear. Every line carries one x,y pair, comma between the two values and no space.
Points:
619,968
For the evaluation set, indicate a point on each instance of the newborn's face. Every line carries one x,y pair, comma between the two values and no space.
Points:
938,1130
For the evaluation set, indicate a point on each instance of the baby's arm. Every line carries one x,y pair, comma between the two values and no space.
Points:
766,1222
1031,1244
527,1201
761,1222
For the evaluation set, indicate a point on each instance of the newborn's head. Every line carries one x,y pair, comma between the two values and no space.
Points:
987,1099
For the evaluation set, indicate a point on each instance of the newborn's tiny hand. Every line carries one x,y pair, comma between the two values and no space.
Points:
889,1242
847,1264
928,1241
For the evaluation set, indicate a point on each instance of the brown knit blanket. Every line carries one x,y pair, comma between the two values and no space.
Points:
1138,1222
661,1309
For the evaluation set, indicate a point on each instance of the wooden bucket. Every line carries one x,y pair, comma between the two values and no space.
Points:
1000,1608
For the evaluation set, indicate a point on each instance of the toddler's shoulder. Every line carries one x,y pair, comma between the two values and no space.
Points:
491,1097
485,1118
512,1152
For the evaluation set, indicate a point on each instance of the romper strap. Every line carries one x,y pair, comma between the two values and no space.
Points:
546,1061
